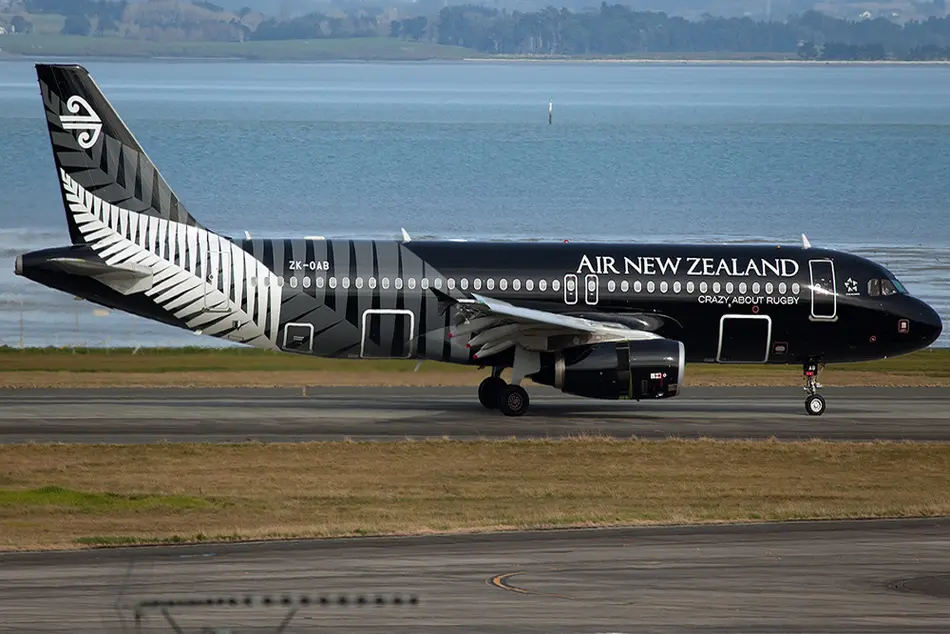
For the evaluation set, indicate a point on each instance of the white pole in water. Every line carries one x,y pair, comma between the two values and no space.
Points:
550,110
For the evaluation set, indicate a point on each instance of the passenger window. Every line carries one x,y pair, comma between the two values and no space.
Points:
874,288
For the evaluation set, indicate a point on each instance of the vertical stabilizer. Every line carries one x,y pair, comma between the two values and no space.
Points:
93,148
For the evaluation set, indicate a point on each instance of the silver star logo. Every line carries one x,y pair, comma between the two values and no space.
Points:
851,286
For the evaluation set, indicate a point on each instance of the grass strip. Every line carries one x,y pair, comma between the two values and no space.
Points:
248,367
72,496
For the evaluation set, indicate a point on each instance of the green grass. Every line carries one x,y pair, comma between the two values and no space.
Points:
86,502
368,48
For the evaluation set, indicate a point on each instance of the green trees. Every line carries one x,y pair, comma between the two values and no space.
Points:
617,30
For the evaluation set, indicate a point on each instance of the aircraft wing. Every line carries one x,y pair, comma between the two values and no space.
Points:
496,325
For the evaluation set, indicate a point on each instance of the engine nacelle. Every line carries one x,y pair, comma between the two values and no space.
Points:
617,370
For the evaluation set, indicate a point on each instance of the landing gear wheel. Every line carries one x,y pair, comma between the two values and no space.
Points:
489,391
815,405
513,400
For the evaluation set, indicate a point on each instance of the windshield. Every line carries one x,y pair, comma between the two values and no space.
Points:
885,286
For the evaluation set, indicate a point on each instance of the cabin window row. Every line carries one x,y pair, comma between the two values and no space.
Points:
638,286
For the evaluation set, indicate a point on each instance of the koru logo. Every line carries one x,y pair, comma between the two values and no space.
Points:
84,119
851,287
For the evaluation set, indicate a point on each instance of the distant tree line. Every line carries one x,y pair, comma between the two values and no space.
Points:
318,25
616,30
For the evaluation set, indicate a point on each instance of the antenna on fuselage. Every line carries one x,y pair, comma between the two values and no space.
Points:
805,243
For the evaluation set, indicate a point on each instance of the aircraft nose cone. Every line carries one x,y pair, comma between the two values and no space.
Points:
928,324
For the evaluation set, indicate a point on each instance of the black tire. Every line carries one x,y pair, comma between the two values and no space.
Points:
513,400
488,391
815,405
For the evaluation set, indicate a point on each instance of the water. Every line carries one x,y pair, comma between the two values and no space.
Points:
857,157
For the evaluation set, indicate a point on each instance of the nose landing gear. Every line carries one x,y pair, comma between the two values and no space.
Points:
814,402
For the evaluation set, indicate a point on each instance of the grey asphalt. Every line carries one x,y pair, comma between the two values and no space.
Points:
228,415
878,576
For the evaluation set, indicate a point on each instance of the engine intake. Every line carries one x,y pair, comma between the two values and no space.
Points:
617,370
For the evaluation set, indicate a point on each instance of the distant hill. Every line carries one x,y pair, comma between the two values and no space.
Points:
439,28
758,9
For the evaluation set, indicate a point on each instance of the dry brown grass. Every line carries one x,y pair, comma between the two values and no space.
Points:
243,491
695,376
243,367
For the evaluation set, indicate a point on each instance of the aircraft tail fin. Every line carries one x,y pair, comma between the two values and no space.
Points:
95,150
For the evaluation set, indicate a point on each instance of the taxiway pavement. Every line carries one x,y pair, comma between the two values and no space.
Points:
868,577
271,415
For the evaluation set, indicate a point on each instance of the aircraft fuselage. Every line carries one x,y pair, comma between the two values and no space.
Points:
726,303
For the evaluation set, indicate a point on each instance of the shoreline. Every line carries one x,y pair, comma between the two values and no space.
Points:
695,61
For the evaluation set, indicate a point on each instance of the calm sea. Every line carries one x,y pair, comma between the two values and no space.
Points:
856,157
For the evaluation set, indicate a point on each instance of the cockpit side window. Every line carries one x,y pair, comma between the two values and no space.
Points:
888,288
874,288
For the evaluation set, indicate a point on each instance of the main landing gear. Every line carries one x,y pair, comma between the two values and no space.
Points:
494,393
814,402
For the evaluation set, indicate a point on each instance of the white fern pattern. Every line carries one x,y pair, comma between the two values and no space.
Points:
198,276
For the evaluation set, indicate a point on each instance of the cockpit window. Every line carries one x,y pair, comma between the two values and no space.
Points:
885,287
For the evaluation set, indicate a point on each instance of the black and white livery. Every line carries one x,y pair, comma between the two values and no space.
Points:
611,321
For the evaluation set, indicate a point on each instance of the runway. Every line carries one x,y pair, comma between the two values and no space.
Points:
888,576
274,415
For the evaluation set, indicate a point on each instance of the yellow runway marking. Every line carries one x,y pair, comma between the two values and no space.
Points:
501,581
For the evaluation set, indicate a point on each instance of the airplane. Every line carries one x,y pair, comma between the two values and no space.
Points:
598,320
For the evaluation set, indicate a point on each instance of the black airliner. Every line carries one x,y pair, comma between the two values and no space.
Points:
609,321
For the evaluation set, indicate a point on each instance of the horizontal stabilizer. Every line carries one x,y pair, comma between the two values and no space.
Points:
124,278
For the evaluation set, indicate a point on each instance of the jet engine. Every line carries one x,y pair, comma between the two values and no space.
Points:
616,370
